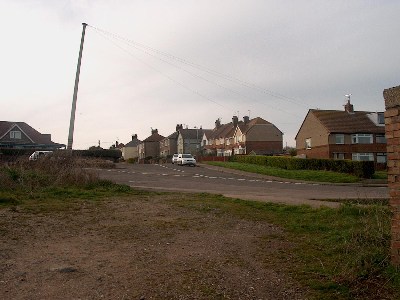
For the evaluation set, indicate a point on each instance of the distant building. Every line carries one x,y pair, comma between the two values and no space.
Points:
19,135
255,136
130,150
150,147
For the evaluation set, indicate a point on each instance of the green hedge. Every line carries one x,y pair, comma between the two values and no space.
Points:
362,169
103,153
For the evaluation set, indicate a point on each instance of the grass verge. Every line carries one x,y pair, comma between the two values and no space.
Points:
306,175
337,253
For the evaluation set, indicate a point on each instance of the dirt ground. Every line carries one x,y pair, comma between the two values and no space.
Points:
141,248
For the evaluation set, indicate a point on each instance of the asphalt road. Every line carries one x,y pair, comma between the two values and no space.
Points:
236,184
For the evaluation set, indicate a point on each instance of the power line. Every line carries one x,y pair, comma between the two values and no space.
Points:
162,73
198,66
108,36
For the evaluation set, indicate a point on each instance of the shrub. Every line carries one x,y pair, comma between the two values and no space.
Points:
362,169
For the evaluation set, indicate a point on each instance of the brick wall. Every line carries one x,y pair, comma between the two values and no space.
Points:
392,126
315,152
265,147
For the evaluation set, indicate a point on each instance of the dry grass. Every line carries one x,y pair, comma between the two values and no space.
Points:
51,171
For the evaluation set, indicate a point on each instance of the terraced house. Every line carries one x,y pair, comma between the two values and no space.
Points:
343,134
255,136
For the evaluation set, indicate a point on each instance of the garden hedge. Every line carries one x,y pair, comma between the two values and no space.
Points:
362,169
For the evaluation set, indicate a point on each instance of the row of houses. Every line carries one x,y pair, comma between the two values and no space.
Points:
334,134
256,136
331,134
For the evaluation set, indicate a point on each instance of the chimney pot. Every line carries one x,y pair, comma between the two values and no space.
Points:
235,120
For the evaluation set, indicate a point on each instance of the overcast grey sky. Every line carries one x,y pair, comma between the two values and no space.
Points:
278,58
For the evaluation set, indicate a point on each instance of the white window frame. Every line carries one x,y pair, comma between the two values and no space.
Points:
339,139
362,156
355,138
15,134
308,143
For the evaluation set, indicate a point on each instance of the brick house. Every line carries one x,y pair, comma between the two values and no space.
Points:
256,136
189,140
130,150
347,134
19,135
169,145
150,147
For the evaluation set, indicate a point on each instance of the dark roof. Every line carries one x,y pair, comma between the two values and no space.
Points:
33,134
133,143
244,127
191,134
223,131
173,136
155,137
337,121
227,130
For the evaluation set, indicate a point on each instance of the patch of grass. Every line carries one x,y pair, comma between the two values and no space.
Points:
338,253
380,175
362,201
306,175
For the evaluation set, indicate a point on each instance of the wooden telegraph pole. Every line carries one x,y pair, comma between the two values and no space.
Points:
73,109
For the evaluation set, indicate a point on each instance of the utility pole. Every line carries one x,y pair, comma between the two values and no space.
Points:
73,109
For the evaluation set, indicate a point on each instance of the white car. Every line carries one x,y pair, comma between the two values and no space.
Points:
175,158
38,154
186,159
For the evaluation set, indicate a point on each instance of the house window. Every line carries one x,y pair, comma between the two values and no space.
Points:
338,155
381,158
380,139
15,135
227,142
361,138
339,138
381,118
308,143
363,156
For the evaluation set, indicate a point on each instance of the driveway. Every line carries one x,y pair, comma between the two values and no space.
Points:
236,184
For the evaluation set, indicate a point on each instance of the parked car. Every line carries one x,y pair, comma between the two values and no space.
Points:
186,159
175,158
38,154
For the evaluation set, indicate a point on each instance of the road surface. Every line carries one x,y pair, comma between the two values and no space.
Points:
236,184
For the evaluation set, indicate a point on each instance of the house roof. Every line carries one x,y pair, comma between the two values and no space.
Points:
336,121
244,127
155,137
133,143
35,136
191,134
228,130
173,135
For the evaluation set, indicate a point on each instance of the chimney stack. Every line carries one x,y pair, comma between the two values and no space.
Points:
134,136
154,131
349,107
178,127
217,123
235,121
246,119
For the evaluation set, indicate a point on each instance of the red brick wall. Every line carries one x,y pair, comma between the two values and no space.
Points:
264,147
315,152
392,125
